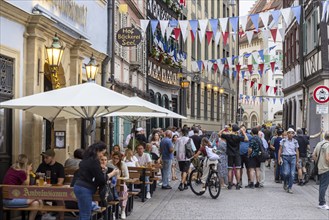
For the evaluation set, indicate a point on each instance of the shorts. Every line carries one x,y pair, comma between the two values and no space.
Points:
234,161
245,161
15,203
184,166
302,161
254,162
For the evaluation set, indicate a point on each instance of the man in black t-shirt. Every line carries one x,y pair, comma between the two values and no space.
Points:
196,138
233,152
304,147
49,164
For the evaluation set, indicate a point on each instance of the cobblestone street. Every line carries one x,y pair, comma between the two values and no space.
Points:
270,202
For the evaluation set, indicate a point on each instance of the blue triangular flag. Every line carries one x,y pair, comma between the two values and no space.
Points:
234,73
173,23
276,15
254,98
213,61
246,55
254,18
274,99
154,24
247,97
260,99
271,48
260,73
194,26
214,26
200,63
281,100
223,60
297,11
261,54
234,21
242,73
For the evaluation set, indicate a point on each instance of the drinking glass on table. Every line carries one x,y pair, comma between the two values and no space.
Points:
41,179
48,176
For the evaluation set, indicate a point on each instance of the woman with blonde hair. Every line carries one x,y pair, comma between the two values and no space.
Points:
19,174
130,159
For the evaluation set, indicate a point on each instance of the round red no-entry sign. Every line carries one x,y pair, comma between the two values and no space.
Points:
321,94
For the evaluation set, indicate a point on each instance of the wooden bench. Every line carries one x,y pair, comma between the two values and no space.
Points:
139,173
50,193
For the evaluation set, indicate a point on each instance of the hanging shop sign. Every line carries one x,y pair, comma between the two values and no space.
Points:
129,37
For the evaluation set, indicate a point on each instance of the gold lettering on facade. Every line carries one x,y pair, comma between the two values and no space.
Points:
77,13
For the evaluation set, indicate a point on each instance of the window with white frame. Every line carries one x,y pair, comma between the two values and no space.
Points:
254,122
278,84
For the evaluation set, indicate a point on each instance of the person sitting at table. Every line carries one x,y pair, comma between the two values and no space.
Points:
73,163
130,159
50,164
144,160
19,174
116,148
124,175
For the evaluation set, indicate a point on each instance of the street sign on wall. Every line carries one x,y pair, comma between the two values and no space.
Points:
322,109
321,94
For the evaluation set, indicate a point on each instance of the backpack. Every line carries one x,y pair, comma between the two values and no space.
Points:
189,153
263,154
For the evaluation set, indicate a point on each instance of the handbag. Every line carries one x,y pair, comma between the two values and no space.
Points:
316,169
211,154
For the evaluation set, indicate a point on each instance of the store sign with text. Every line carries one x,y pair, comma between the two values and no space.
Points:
129,37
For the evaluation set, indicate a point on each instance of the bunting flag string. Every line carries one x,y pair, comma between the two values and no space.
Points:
288,14
252,100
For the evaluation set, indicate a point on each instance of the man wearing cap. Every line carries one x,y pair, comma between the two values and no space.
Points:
49,164
288,156
140,136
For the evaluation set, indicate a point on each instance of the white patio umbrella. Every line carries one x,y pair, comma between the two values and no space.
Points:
135,117
87,100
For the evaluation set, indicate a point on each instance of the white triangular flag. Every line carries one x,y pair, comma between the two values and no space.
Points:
209,66
286,13
265,34
144,24
163,26
195,67
243,21
264,16
223,23
234,36
230,63
282,32
220,65
249,36
183,28
200,36
168,32
203,26
217,38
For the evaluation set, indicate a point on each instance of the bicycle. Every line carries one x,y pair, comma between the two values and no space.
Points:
212,181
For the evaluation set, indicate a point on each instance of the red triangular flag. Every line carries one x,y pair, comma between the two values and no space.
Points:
272,66
215,67
275,89
192,35
273,32
209,36
259,86
238,67
225,36
250,68
261,67
252,83
267,87
177,33
226,66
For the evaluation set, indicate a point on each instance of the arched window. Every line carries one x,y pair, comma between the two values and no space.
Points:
278,84
254,122
245,121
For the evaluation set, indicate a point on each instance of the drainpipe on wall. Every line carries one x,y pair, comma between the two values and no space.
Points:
301,63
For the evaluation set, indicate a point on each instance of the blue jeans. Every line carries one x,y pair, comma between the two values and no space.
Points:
15,203
166,172
84,197
289,169
324,182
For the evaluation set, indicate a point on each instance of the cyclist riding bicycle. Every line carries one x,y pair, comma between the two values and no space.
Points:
211,157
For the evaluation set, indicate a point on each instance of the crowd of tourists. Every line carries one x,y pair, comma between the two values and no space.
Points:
239,151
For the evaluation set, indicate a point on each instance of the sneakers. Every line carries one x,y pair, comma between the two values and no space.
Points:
185,186
250,186
257,185
290,191
180,187
325,207
229,186
203,189
148,195
285,187
123,215
166,187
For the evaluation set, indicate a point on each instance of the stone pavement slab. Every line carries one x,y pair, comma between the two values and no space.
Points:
270,202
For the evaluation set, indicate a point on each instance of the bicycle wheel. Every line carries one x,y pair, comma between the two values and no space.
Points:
214,185
195,182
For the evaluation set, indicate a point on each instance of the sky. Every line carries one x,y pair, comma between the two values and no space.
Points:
245,6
